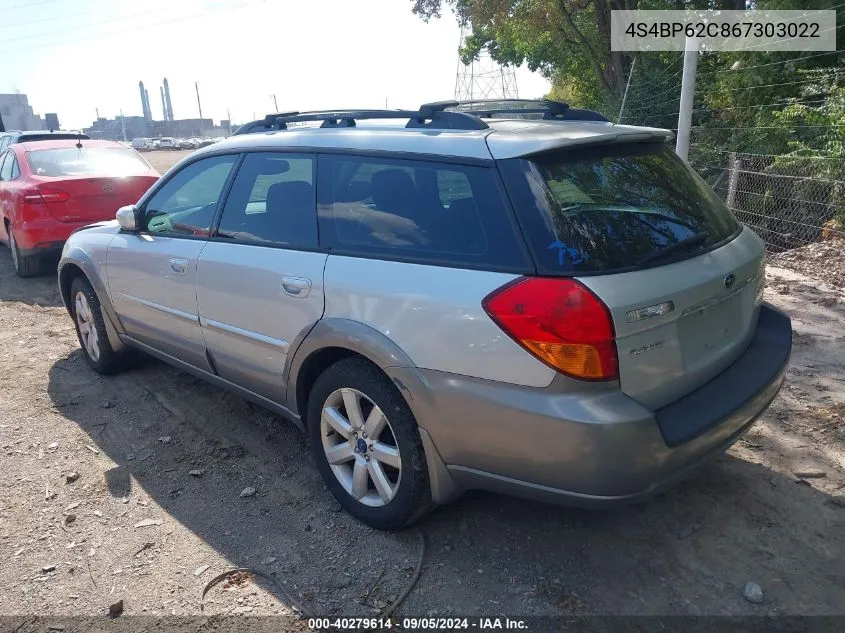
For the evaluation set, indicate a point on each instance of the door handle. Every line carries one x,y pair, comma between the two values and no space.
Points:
179,266
298,287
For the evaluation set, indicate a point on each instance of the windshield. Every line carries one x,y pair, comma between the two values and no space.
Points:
87,161
616,207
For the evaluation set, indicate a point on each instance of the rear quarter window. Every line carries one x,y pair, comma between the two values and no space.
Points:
417,211
613,208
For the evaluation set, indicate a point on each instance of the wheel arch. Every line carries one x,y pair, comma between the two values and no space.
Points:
75,263
331,340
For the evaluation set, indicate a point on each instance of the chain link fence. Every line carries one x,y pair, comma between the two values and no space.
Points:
790,201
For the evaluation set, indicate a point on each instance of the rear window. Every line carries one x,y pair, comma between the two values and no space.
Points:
86,161
615,207
417,211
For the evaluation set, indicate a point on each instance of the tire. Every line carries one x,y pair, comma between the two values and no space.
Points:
89,319
405,493
24,266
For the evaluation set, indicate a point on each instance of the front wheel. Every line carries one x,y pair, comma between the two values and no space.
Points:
91,329
367,446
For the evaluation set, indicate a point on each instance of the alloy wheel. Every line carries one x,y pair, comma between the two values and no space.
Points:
360,447
87,327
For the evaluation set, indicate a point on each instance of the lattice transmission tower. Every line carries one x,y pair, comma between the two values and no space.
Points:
484,78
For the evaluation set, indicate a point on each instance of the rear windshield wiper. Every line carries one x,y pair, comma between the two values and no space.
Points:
688,242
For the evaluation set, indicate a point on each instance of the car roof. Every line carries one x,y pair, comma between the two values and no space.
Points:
29,146
503,138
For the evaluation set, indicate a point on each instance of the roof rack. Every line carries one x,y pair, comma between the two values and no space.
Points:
448,115
551,110
430,115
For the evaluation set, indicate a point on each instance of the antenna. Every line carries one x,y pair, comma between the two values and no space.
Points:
483,77
275,103
199,104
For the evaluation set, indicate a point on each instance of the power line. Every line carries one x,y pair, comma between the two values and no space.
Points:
763,127
27,5
785,83
136,28
740,154
785,61
64,30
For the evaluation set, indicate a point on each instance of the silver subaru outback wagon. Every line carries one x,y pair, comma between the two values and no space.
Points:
518,297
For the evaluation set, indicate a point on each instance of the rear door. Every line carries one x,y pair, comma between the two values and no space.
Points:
152,274
260,278
639,228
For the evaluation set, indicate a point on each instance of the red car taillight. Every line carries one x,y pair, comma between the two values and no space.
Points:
40,196
559,321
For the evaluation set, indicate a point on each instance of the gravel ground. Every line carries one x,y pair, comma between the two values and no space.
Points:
129,488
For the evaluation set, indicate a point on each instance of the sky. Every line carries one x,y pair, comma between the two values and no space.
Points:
76,56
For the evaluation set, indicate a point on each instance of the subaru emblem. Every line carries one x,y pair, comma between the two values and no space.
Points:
730,278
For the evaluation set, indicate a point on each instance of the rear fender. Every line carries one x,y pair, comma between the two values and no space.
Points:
392,360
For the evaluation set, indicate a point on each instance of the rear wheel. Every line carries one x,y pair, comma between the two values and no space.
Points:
24,266
91,329
367,446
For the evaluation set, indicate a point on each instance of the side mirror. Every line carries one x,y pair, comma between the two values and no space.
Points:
126,217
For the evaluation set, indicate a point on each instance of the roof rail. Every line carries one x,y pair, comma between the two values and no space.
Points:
551,110
430,115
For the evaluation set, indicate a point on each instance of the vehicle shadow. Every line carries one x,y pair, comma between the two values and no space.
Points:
689,551
41,290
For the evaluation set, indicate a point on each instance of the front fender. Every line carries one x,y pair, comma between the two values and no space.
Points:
91,266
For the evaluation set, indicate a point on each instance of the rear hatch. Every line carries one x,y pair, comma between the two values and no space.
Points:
88,184
634,224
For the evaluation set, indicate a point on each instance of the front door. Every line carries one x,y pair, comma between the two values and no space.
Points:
260,278
152,274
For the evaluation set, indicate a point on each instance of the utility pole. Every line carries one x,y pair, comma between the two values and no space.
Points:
687,97
199,105
275,104
229,119
122,124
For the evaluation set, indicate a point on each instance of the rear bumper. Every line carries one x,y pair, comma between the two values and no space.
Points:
44,236
596,448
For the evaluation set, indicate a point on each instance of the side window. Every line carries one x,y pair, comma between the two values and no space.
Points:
186,203
15,170
272,201
416,211
6,166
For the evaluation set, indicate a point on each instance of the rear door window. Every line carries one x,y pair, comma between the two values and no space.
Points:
418,211
615,207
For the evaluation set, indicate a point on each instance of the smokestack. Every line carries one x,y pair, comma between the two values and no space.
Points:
149,108
163,104
167,98
145,106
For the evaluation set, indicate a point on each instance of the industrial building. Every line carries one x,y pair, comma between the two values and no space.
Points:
17,114
145,126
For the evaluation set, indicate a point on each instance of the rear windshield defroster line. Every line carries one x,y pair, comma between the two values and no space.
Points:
614,208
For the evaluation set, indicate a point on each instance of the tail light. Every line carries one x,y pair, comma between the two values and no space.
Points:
43,196
560,322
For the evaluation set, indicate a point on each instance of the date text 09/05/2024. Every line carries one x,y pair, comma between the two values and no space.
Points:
417,624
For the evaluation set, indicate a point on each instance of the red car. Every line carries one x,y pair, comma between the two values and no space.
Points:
50,188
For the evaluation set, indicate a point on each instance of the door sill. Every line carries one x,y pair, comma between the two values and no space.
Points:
202,374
